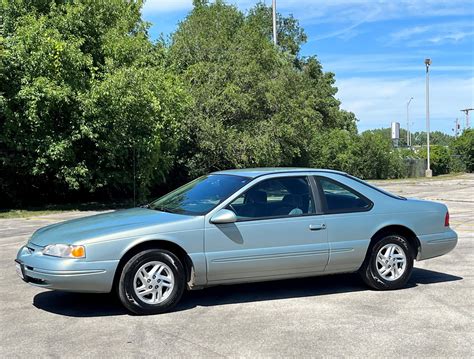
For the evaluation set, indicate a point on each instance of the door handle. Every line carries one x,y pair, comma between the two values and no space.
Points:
317,227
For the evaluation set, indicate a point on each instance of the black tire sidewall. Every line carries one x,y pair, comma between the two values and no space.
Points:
372,276
127,294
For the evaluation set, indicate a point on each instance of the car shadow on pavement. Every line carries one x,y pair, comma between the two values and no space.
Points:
97,305
79,304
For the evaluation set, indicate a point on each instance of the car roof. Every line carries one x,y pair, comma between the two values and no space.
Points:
257,172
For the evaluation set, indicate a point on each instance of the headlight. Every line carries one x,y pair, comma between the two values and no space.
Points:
64,251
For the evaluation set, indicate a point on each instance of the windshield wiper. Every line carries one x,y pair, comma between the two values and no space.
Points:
162,209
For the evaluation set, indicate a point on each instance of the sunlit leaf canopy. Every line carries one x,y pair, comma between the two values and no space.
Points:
91,108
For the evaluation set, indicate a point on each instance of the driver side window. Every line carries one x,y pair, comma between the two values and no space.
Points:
275,197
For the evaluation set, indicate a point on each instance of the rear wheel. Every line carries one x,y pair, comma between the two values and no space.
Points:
389,263
151,282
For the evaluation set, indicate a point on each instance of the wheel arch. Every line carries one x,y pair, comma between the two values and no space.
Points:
402,230
157,244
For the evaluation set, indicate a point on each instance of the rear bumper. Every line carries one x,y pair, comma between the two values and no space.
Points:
70,275
435,245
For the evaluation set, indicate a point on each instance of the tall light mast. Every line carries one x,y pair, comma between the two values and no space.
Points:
408,124
274,16
428,172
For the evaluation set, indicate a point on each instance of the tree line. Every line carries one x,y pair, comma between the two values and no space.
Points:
92,109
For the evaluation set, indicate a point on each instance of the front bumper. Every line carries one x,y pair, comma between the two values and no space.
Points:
437,244
66,274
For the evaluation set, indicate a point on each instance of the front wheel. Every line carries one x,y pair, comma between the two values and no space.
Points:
151,282
389,263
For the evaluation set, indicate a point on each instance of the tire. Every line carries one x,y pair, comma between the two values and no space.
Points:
389,263
143,291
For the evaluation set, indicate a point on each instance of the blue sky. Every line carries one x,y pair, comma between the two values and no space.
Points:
377,48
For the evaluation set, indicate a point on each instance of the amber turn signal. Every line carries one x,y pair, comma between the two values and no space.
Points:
78,252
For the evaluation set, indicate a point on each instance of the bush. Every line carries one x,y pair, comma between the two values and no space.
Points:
440,159
369,155
333,150
456,165
464,148
376,158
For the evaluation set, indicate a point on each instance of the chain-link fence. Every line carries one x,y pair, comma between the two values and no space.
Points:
415,167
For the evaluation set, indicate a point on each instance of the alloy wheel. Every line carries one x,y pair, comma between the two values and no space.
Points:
153,282
391,262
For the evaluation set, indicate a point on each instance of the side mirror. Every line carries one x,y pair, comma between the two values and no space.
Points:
224,216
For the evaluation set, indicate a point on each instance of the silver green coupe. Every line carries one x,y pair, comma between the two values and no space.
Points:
239,226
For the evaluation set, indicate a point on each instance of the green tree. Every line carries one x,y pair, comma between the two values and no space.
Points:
376,158
81,85
334,149
369,155
387,133
440,158
464,148
89,105
254,104
436,138
134,116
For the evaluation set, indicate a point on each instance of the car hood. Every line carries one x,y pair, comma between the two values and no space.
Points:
111,225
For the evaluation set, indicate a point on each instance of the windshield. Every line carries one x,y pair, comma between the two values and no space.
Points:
201,195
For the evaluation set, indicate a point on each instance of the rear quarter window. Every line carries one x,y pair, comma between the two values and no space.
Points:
339,198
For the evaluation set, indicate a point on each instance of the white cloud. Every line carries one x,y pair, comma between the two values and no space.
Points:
435,34
340,10
354,10
377,101
410,32
342,16
393,62
451,37
162,6
344,32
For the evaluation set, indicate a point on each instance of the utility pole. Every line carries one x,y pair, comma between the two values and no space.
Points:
134,177
274,22
428,172
408,124
456,128
466,111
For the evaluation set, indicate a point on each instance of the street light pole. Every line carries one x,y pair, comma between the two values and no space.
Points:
274,22
428,172
408,124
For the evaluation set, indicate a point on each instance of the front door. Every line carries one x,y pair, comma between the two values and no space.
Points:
278,234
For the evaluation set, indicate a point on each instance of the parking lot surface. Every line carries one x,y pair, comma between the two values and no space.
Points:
328,316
